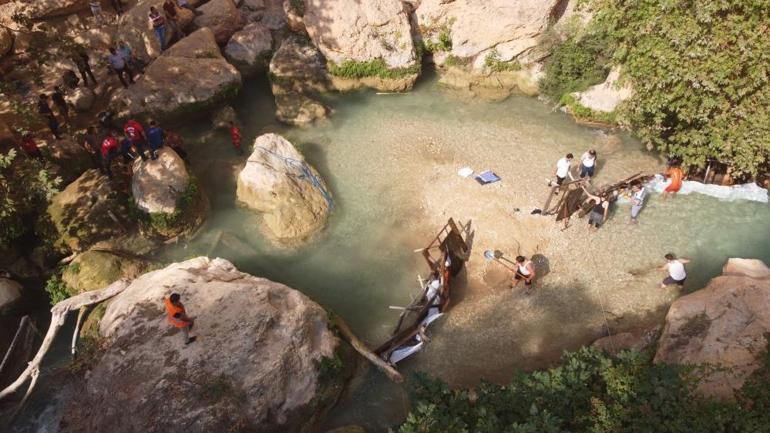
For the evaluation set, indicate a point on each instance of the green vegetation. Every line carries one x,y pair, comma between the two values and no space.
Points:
583,113
57,289
576,64
164,222
373,68
699,71
591,393
457,61
329,368
297,6
443,42
25,189
493,63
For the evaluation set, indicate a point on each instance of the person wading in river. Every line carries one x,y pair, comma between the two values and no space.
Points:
525,270
676,273
675,173
637,201
177,316
588,164
599,212
562,169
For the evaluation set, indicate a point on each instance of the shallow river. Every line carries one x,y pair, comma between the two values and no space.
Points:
391,161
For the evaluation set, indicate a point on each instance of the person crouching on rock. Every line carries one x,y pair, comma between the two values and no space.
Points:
177,316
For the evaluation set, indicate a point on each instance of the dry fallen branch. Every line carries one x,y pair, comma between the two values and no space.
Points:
58,314
361,348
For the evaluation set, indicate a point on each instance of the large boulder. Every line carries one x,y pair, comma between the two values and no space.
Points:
82,98
367,43
477,29
722,325
265,359
89,210
135,28
249,49
10,292
95,270
297,72
277,181
222,17
42,9
70,159
6,41
605,97
192,76
361,31
157,185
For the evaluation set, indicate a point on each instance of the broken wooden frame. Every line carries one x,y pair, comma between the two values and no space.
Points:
562,206
454,252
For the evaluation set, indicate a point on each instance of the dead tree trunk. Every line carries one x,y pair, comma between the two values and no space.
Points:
361,348
58,314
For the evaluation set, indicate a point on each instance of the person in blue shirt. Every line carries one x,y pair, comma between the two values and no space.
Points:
154,138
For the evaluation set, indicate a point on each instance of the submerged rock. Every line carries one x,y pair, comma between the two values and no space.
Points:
158,185
222,17
249,49
353,34
191,76
297,72
89,210
10,292
223,117
722,325
277,182
95,270
265,359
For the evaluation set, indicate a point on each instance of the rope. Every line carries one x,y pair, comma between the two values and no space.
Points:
307,174
601,300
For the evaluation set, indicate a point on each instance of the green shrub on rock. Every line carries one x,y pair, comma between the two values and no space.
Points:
590,393
372,68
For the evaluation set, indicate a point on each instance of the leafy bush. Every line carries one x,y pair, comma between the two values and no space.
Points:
373,68
700,76
590,393
57,289
493,63
25,189
444,42
584,113
576,64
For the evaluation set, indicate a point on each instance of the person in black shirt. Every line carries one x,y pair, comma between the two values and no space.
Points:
81,61
44,110
58,98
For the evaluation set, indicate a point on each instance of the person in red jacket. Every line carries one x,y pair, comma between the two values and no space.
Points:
235,136
135,132
30,147
177,317
109,151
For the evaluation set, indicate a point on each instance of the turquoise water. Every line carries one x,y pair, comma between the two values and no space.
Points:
391,163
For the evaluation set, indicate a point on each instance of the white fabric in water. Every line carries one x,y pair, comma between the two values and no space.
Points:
748,191
405,351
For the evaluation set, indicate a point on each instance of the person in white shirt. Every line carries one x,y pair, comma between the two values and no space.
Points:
588,164
637,201
525,270
676,273
562,168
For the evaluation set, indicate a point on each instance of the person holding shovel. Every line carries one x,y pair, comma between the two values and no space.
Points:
525,271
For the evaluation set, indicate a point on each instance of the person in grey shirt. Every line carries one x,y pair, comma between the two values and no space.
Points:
119,65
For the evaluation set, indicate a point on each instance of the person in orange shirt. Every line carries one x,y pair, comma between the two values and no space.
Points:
177,316
675,173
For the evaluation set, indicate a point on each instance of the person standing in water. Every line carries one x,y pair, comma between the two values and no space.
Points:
588,164
599,211
562,169
676,272
637,201
675,173
235,136
525,270
177,316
